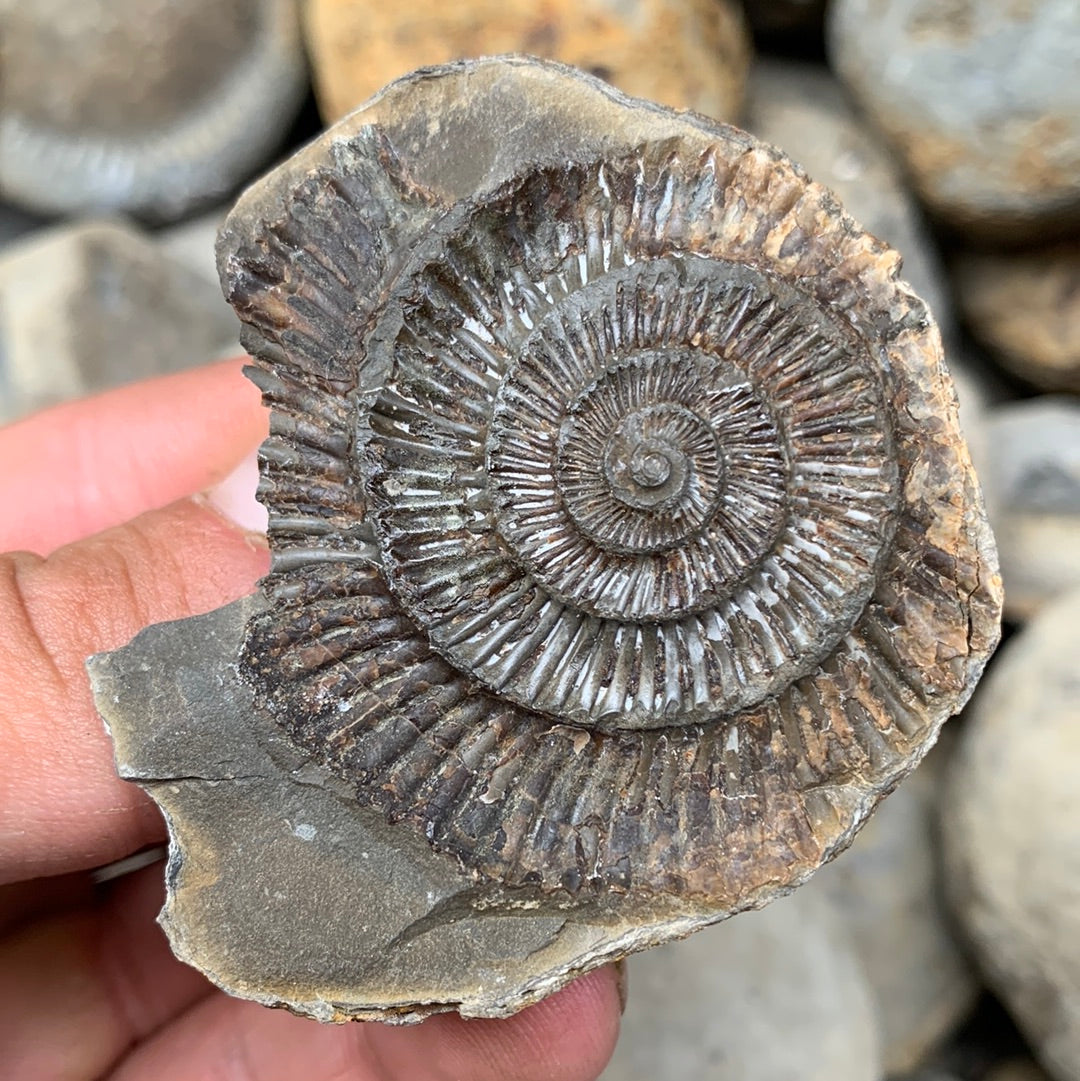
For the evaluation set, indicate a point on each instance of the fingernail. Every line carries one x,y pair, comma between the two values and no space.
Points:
234,497
622,983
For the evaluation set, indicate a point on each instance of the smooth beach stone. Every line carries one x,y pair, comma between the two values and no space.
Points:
149,107
1012,832
771,996
1025,308
887,891
91,306
980,99
688,54
1031,478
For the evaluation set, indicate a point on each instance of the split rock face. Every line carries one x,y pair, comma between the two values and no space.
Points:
625,549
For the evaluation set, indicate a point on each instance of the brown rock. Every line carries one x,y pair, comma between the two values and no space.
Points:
688,54
1025,307
1010,827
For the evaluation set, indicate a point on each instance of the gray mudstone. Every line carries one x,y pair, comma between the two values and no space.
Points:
887,892
1012,832
352,918
91,306
1025,308
773,996
145,108
1031,479
980,99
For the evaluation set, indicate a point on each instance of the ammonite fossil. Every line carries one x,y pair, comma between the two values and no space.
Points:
624,543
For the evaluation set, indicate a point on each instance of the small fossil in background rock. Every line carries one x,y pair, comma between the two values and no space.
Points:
1010,827
688,54
625,553
980,99
90,306
146,107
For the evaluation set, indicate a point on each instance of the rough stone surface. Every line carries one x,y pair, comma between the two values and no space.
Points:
249,818
1032,483
145,107
1026,309
1011,821
980,99
689,54
888,895
771,996
801,108
90,306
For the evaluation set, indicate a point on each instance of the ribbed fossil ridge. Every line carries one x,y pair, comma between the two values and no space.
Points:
624,541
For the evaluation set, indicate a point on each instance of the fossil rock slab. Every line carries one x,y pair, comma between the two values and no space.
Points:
283,890
145,108
625,548
687,54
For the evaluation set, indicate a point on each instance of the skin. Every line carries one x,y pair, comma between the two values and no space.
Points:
109,534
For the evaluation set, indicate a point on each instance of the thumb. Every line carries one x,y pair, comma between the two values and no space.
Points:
62,806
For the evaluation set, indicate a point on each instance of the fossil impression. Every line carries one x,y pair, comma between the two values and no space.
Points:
625,547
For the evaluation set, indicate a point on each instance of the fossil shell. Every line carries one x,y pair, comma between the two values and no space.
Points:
624,541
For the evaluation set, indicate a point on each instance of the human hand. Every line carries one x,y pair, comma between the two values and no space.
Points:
105,489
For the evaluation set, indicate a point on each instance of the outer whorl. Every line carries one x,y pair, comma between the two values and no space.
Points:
625,543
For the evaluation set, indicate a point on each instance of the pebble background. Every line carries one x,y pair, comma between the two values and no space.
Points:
945,945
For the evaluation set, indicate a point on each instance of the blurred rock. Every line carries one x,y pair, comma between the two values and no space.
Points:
774,995
192,243
146,106
1017,1069
802,109
90,306
1031,478
981,100
1011,818
15,223
771,17
689,54
887,892
1026,309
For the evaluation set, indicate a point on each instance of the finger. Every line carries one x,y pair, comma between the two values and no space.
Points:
77,991
568,1037
84,466
62,806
